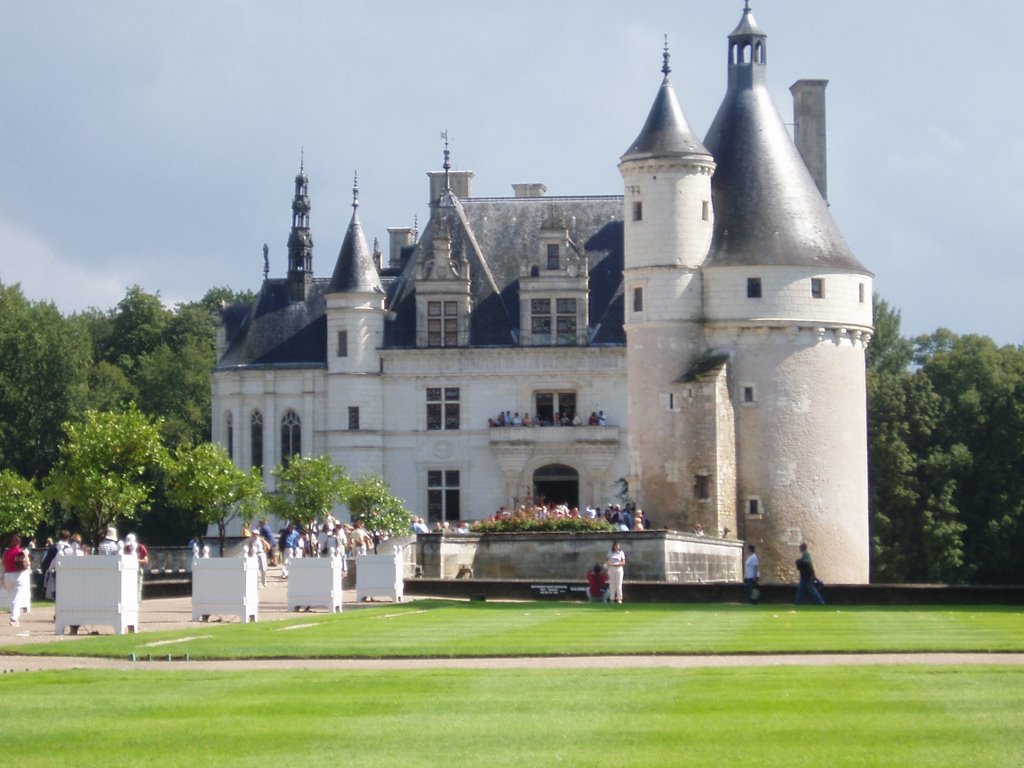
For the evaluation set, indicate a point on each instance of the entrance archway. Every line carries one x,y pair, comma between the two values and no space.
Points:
557,483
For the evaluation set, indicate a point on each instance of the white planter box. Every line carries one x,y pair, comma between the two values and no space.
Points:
314,582
380,576
225,586
97,590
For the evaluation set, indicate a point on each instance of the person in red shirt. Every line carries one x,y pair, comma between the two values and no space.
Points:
17,578
597,584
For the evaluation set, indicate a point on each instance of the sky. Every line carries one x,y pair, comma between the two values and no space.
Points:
156,144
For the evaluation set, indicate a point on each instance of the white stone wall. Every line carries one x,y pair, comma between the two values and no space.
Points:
802,451
786,296
677,221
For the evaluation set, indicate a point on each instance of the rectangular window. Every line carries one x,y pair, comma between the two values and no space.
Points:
753,287
638,211
443,501
442,329
553,260
540,320
754,506
702,487
860,292
566,321
558,408
342,343
705,210
748,394
353,417
638,299
817,287
443,408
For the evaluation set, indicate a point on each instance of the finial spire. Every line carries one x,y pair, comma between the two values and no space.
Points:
302,159
355,189
447,158
266,261
665,68
746,6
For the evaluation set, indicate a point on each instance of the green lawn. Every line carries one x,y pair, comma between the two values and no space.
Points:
458,628
777,716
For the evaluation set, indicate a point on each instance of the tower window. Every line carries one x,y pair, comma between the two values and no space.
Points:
638,299
229,434
754,506
353,417
705,210
342,343
749,395
753,287
443,408
553,256
638,211
818,287
702,487
860,292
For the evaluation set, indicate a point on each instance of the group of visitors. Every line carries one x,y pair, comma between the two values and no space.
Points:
18,564
563,419
319,539
809,583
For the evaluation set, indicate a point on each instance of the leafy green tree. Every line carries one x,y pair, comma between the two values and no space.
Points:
370,499
206,481
22,506
981,389
916,527
308,488
42,381
108,467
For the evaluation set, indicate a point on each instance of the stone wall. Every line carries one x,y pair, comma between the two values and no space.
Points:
664,556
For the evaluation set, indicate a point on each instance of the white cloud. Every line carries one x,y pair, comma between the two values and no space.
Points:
46,276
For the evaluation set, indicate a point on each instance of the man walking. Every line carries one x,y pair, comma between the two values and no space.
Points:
751,575
808,584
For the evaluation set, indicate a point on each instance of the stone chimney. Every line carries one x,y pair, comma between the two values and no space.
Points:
529,190
809,133
461,183
398,238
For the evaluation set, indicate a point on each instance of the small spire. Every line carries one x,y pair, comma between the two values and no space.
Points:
302,159
266,261
355,190
447,159
416,228
665,68
746,6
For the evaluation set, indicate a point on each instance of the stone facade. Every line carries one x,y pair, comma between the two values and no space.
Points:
712,314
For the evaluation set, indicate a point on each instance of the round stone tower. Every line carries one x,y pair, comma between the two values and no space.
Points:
667,231
791,305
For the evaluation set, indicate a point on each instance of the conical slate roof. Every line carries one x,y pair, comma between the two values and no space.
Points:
666,133
355,272
768,210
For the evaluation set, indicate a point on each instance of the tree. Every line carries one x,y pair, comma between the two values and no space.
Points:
204,480
370,499
308,488
42,381
22,506
108,467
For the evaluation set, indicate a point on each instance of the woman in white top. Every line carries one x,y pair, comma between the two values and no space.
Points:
616,563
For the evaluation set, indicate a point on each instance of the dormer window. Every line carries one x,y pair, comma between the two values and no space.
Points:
753,287
638,211
553,256
442,324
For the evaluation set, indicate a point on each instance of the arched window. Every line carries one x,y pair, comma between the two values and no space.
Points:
291,436
229,434
256,444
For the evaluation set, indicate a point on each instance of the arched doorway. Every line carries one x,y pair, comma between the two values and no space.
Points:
557,483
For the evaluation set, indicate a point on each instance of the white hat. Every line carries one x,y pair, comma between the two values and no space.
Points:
130,538
111,534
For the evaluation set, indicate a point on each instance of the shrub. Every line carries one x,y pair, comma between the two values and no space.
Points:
528,523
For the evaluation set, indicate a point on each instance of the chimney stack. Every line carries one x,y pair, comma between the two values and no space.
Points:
809,132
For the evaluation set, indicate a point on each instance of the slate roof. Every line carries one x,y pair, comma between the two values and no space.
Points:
496,236
768,210
666,132
354,271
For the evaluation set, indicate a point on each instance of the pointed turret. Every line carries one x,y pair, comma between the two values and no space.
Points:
768,209
354,272
666,133
300,241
